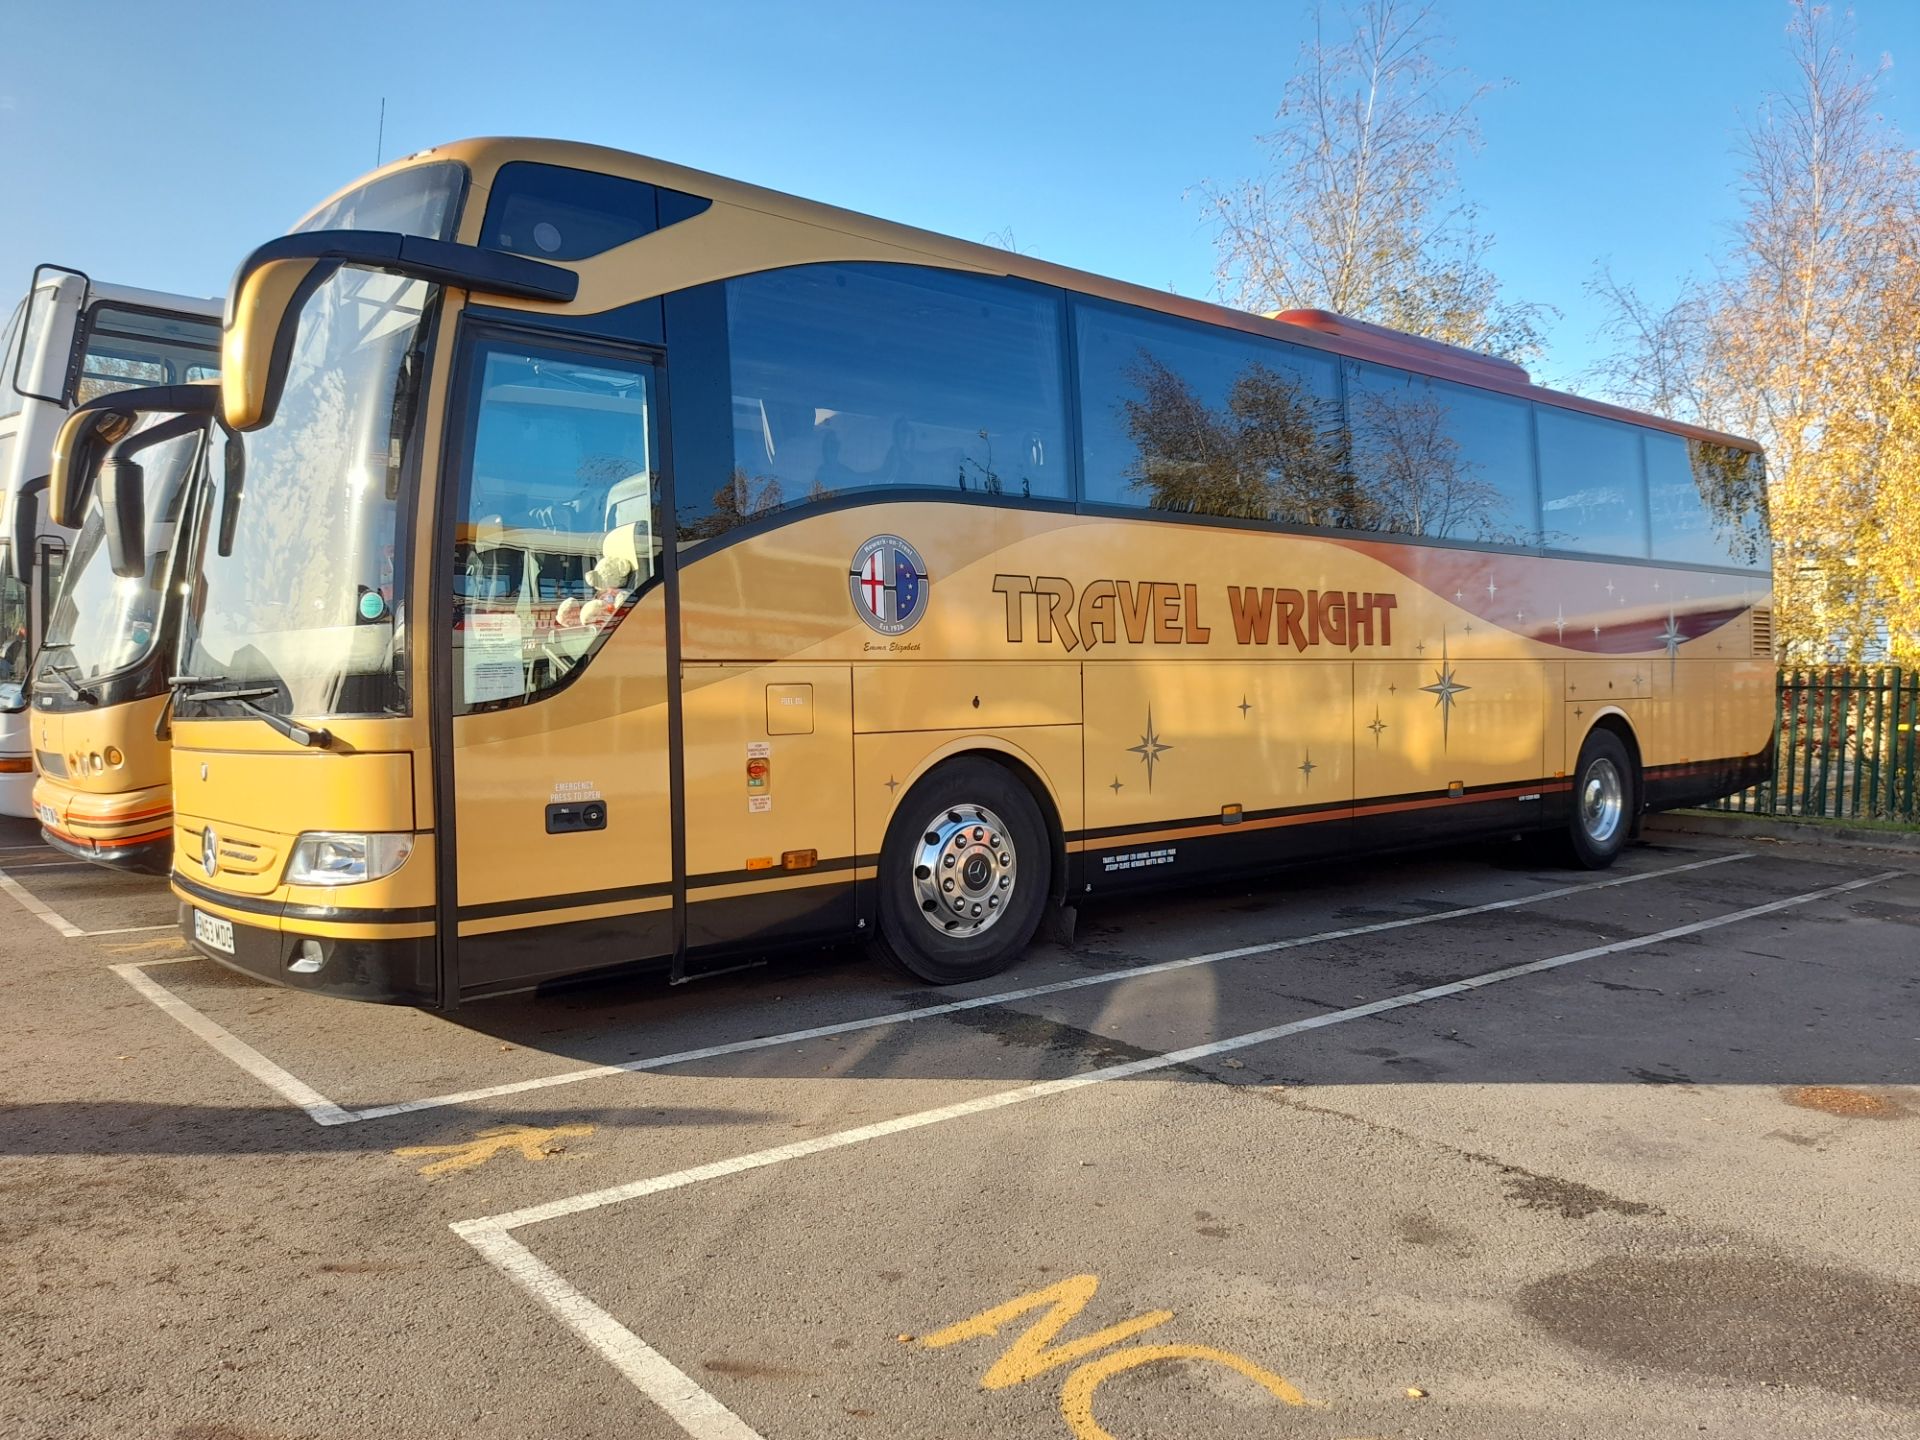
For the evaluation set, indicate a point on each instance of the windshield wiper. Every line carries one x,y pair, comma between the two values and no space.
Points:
313,736
78,691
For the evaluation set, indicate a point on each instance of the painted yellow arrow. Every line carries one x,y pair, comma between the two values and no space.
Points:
532,1142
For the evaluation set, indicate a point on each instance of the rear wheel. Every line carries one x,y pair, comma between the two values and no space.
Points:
963,874
1605,796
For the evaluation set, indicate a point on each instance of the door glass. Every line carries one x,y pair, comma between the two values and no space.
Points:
558,513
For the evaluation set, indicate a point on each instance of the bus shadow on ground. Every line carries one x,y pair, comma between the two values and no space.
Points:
1808,997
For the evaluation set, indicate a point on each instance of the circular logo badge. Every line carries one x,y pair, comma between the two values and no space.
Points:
889,585
209,851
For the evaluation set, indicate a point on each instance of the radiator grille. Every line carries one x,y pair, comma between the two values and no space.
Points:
1763,634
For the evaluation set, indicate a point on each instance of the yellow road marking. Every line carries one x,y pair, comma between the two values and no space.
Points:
1076,1396
1029,1356
532,1142
1033,1353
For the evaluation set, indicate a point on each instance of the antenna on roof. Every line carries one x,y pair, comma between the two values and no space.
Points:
380,141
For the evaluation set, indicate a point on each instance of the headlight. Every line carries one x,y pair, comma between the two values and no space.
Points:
332,857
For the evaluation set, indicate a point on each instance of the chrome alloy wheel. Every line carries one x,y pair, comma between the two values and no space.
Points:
964,870
1602,801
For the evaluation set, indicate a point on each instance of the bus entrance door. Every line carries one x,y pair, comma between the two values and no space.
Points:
560,776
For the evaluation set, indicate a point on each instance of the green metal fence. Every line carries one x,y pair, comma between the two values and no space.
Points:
1846,746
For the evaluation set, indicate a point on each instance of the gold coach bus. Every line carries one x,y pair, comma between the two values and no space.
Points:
130,473
632,565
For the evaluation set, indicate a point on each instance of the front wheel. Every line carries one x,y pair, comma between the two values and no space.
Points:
963,874
1604,796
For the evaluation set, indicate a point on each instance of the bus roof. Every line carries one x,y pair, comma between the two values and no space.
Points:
1315,329
208,307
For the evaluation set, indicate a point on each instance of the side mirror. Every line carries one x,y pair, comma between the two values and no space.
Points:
232,485
123,504
43,370
275,282
92,429
24,525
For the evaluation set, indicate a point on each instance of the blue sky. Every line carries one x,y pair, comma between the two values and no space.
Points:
163,143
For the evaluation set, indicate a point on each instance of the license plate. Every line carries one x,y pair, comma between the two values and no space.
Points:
47,817
212,930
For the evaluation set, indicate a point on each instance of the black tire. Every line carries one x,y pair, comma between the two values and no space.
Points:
1606,798
981,826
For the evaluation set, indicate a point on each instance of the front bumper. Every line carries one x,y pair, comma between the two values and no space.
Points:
396,971
140,857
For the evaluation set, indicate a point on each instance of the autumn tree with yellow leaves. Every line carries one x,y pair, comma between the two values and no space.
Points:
1807,338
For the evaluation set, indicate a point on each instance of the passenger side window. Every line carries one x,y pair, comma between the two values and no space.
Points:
1433,458
558,517
870,376
1708,500
1204,422
1593,485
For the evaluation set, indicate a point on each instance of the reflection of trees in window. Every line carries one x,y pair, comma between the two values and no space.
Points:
1274,451
1733,488
1413,474
744,497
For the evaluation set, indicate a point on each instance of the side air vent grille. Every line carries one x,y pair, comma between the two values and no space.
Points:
1763,634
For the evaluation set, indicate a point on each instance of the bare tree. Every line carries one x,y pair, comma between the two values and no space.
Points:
1360,210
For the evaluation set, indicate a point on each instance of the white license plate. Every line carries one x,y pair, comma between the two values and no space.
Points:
212,930
47,817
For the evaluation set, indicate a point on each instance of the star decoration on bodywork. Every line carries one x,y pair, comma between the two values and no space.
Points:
1116,787
1671,638
1150,748
1444,688
1307,767
892,784
1244,707
1378,727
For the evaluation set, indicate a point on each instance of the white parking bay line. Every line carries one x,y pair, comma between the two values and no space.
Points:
1008,997
291,1087
37,907
700,1413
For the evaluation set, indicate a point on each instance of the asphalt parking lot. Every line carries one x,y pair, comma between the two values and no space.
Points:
1454,1145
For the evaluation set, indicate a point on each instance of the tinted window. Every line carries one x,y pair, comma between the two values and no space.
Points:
1709,502
1432,458
421,200
557,520
1181,417
1593,490
129,348
851,377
